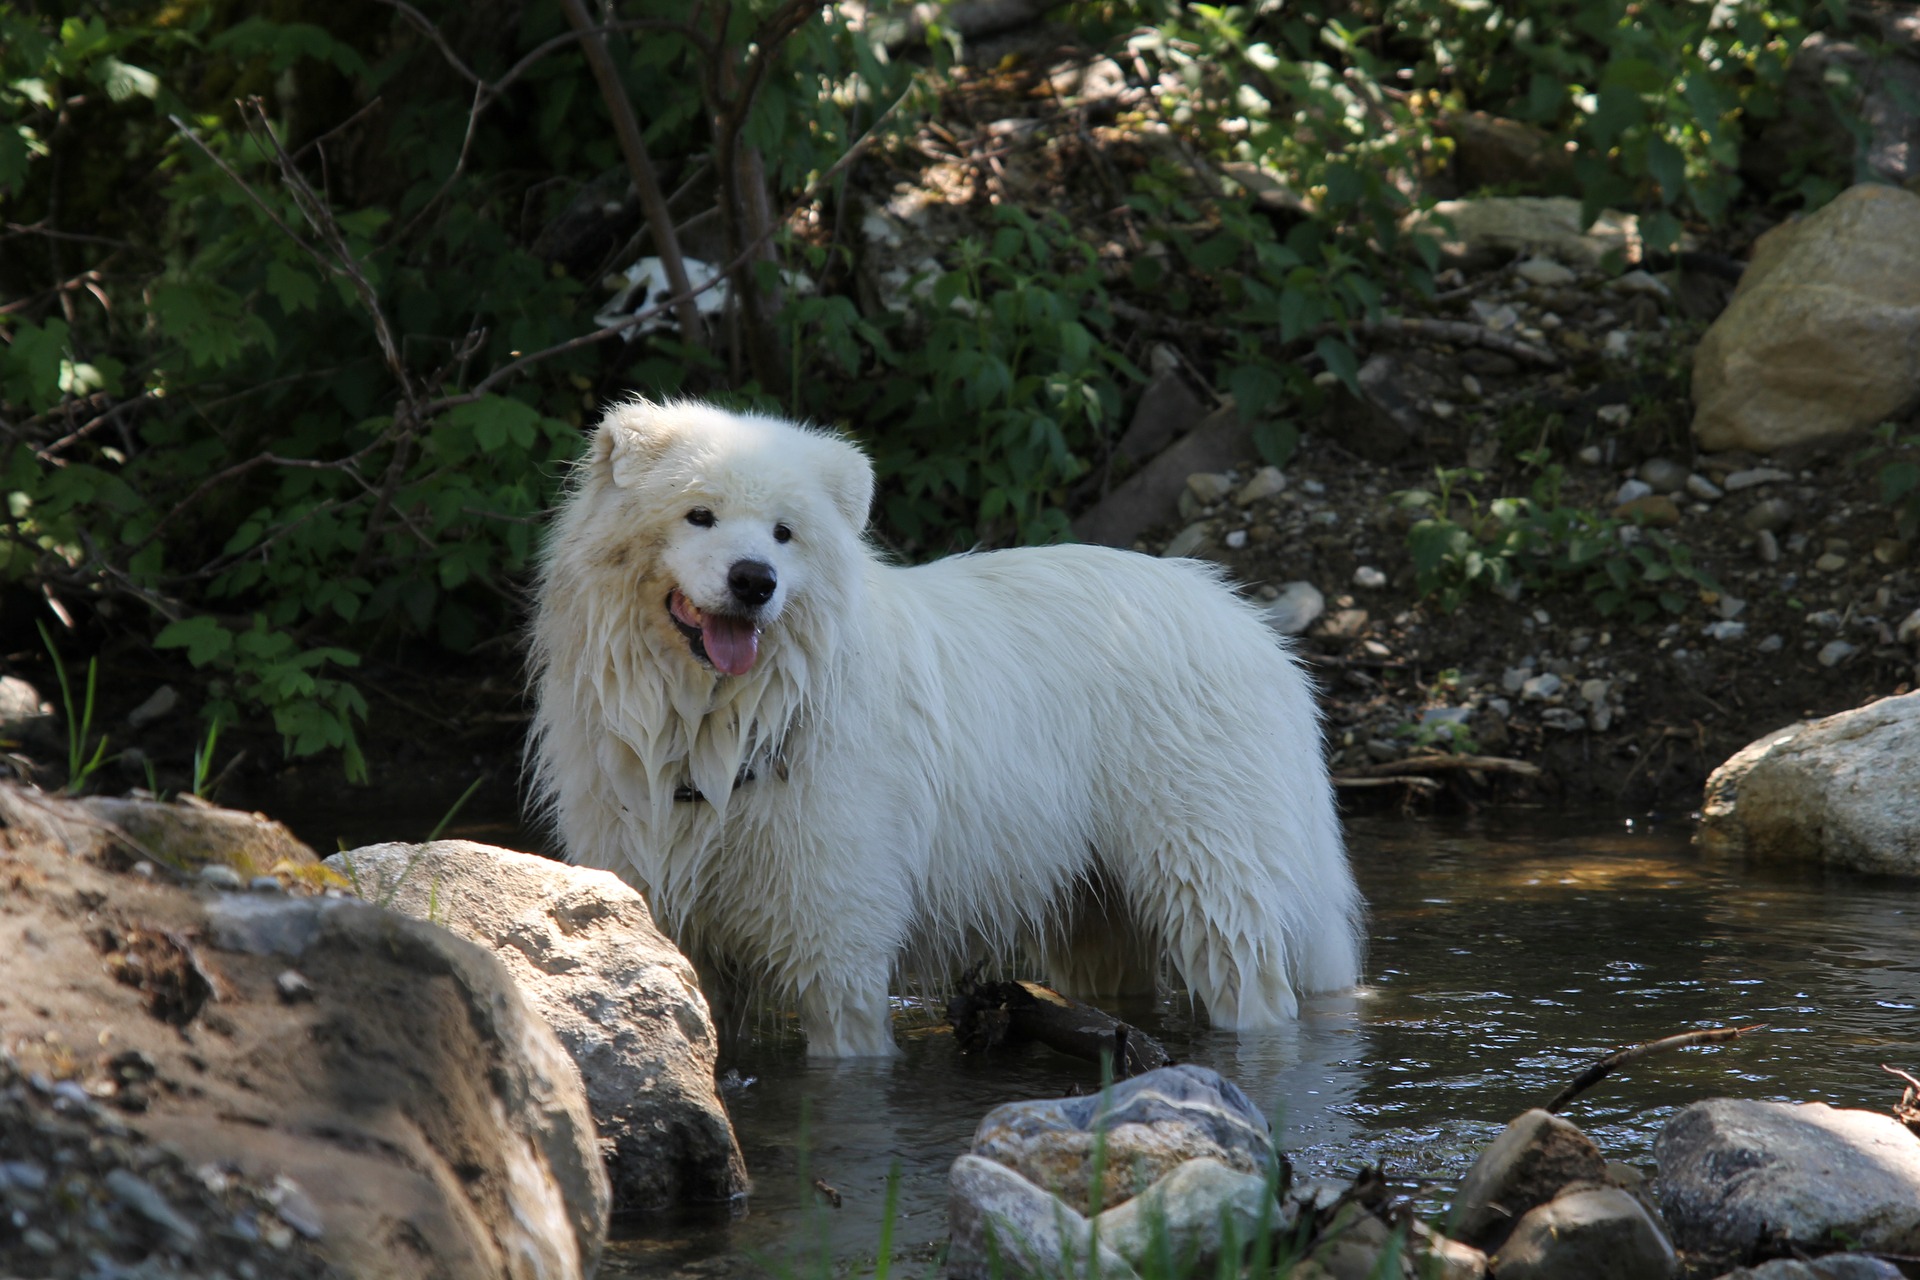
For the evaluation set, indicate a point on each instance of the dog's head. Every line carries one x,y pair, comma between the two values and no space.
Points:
730,522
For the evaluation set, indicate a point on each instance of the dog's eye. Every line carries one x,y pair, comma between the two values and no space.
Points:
700,518
782,534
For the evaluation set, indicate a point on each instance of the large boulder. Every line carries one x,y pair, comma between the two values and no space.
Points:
623,1000
1844,791
1741,1180
380,1080
1823,335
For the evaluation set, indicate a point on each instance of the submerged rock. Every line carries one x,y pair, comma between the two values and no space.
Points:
1739,1177
626,1004
1147,1126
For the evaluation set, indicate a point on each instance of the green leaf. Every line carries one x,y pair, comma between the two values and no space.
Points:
1341,361
295,290
204,639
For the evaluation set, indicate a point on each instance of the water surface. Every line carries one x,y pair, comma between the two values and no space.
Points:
1505,955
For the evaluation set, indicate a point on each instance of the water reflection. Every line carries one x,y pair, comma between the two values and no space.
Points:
1505,957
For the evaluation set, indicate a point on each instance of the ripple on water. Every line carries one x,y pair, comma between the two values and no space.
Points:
1505,957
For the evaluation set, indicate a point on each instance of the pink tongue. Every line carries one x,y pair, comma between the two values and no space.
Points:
731,643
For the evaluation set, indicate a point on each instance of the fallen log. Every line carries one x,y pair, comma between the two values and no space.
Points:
986,1014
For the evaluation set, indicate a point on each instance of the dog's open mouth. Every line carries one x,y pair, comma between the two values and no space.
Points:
727,643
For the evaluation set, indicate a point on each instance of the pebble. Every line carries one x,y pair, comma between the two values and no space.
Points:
1704,489
1730,606
1600,718
1496,316
1470,385
1186,542
1767,547
1632,491
1770,515
159,704
1590,455
221,876
265,884
1830,562
1772,644
1725,629
1663,474
138,1194
1545,272
1753,476
1637,281
1236,539
1516,679
1909,629
22,1175
1265,483
39,1241
1310,485
1563,719
1835,652
1618,346
1368,576
293,986
1891,552
1594,692
1614,415
1826,619
1541,687
1209,486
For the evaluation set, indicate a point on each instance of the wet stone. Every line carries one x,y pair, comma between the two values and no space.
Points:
1534,1157
1598,1234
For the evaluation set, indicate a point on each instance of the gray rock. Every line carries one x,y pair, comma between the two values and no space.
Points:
1533,1159
1387,417
1168,409
1597,1234
1547,226
222,876
1632,491
1208,487
1541,687
1594,691
1265,483
1369,578
1730,606
1737,1176
1754,477
1835,1266
1297,607
1768,516
1544,272
1152,1123
1704,489
139,1195
1004,1226
1724,630
159,704
1909,628
1664,475
1835,652
1191,1209
1565,719
1150,495
624,1002
1187,541
1772,644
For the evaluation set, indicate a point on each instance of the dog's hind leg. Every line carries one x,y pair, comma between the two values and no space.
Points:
843,1020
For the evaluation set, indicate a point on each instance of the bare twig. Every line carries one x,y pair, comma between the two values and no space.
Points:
633,145
1614,1061
1442,764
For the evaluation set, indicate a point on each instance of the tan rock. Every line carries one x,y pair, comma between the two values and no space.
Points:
1532,1160
1823,334
1844,791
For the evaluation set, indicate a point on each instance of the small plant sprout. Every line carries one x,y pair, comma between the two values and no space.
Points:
80,766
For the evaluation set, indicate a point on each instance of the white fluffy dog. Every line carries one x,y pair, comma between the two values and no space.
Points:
821,768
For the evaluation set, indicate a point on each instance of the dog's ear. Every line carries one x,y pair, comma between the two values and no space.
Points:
849,480
631,439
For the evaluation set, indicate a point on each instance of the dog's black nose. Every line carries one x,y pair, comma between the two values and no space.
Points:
751,582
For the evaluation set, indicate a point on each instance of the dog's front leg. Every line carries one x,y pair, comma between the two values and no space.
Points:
845,1019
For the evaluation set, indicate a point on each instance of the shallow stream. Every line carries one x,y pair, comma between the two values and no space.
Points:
1506,954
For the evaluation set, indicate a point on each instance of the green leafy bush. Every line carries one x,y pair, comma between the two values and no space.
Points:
1514,545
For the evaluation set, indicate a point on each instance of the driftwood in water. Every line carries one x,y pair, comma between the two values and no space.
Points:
1621,1057
985,1014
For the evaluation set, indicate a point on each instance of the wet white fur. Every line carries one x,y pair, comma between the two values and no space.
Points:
1100,757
